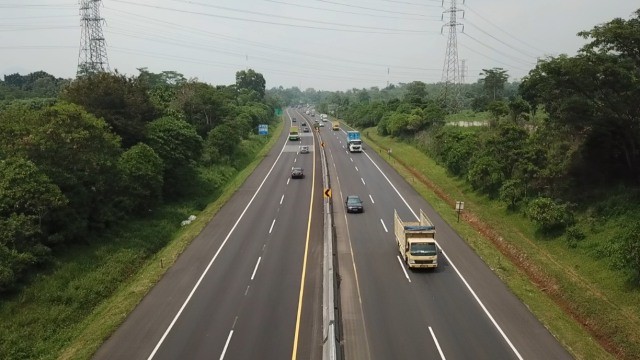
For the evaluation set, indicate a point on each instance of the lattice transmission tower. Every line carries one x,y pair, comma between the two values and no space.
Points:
451,69
93,51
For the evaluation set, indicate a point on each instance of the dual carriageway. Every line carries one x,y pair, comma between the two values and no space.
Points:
250,286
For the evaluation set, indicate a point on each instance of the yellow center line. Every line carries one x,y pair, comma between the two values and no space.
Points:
304,261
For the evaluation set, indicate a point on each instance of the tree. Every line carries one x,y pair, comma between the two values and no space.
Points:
141,170
123,102
179,146
494,81
203,105
221,144
77,152
518,108
27,197
416,93
251,80
595,96
498,109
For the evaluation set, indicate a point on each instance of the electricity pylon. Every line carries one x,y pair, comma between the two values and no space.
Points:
93,52
451,69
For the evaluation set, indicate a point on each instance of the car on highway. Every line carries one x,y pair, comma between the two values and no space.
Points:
294,120
305,129
304,123
321,124
353,204
304,149
297,173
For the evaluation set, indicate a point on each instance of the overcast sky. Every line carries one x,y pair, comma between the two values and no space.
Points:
322,44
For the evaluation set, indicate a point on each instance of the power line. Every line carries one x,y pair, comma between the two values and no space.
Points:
346,12
502,30
366,29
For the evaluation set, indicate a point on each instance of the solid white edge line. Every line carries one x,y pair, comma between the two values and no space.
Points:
384,226
403,269
256,268
272,223
226,345
435,340
215,256
504,336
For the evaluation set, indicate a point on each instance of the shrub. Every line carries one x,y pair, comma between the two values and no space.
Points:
550,216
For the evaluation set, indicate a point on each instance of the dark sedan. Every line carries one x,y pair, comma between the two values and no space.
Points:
353,204
297,173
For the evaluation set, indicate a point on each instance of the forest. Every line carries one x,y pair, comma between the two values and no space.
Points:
78,157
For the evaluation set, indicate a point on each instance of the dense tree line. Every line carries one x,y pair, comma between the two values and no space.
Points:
569,130
107,147
38,84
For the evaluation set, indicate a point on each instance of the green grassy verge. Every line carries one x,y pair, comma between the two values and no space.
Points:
86,294
582,302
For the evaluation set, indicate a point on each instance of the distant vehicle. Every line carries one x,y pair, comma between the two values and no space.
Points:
304,149
306,129
297,173
416,241
294,135
335,125
353,204
353,141
294,120
304,123
321,125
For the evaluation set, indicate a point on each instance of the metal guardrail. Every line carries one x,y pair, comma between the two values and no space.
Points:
330,322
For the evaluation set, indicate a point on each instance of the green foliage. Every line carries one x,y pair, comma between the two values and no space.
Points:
141,170
221,145
38,84
77,152
550,216
493,82
512,192
123,102
498,109
251,81
416,94
27,197
594,96
573,236
485,174
624,249
519,109
203,106
179,146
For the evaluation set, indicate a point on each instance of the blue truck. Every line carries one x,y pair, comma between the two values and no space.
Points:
354,143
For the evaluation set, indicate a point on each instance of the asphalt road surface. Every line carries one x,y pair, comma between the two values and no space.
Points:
249,286
459,311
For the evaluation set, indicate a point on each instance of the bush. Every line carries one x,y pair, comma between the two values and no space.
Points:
573,236
550,216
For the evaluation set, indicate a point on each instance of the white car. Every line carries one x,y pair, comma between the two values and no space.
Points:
304,149
321,124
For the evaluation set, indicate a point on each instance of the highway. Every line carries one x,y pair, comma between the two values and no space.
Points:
249,286
460,311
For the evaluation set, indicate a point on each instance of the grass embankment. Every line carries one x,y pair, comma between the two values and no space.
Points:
69,310
584,303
